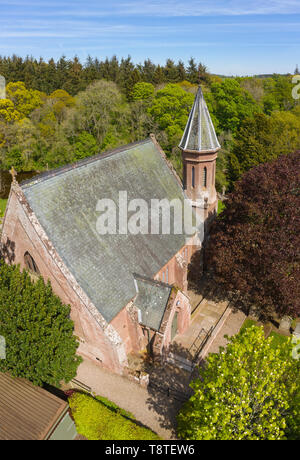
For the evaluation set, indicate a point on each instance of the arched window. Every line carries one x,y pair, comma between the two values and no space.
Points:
204,177
193,177
213,174
30,264
167,275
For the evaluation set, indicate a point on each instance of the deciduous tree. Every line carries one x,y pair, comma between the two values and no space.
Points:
251,391
254,244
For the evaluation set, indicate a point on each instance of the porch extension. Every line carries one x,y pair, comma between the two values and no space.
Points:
188,349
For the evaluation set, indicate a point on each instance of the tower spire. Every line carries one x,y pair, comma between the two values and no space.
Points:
200,146
199,134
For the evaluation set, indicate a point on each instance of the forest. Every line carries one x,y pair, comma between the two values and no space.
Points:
59,112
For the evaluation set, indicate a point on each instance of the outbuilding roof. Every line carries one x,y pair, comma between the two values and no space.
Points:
27,412
65,203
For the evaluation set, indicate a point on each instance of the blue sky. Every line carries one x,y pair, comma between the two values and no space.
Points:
230,36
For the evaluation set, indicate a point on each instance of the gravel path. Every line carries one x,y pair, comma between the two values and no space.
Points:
231,327
157,413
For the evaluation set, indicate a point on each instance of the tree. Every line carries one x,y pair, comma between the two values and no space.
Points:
254,244
25,101
85,146
8,113
22,146
262,138
142,91
278,94
230,104
170,109
40,345
251,391
171,71
98,111
61,102
203,73
192,72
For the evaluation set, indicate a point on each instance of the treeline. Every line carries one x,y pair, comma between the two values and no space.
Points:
73,76
256,120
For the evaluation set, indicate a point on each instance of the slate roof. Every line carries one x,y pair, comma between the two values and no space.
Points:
152,300
27,412
65,201
199,134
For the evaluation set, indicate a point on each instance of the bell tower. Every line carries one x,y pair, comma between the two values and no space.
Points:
200,146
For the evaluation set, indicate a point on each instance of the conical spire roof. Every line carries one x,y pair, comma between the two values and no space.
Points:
199,134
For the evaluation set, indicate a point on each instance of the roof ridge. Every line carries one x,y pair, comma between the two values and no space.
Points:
146,279
165,158
85,161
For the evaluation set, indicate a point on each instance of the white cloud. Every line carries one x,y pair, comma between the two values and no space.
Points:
210,7
152,8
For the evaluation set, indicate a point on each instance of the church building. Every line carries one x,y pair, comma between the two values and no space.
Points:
127,292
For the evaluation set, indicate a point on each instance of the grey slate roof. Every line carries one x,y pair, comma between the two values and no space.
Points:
65,200
152,299
199,134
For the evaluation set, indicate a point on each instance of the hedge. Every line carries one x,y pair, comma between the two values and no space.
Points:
99,419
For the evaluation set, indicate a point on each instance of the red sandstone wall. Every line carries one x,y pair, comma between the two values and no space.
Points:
177,268
199,161
94,344
178,303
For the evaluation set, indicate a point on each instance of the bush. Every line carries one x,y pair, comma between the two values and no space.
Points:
100,419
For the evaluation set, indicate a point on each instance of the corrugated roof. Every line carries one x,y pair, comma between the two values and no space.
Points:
65,201
152,299
199,134
27,412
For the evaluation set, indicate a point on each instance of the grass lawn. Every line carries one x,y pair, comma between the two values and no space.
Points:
221,206
248,323
278,339
2,206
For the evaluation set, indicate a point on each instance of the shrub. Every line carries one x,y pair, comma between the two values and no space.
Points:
100,419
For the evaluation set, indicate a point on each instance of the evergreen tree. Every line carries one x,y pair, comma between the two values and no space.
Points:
40,345
192,72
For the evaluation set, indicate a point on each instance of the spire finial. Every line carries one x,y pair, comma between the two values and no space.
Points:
13,173
199,134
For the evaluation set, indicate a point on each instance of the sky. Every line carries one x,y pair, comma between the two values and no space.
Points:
231,37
